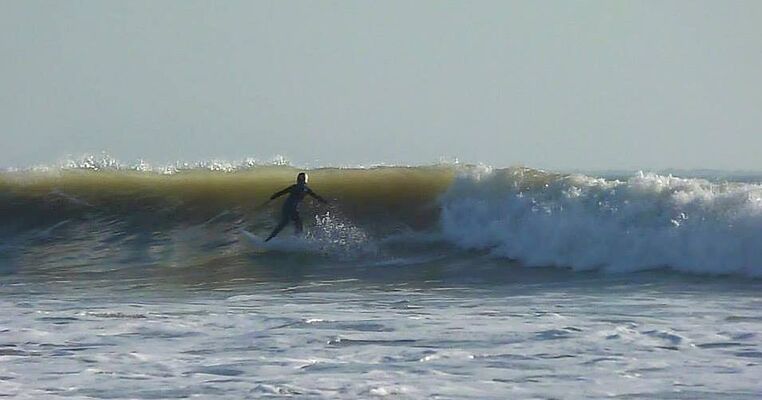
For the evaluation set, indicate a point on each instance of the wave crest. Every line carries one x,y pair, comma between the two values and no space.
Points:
539,218
647,221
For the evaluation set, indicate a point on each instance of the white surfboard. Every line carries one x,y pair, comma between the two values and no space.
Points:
278,244
254,241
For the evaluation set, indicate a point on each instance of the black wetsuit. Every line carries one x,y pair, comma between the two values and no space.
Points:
290,210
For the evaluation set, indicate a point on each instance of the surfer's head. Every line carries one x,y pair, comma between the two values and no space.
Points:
301,178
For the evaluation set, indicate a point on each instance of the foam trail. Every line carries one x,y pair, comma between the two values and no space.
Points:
647,221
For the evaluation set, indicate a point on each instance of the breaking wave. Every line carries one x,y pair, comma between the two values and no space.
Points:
645,221
393,215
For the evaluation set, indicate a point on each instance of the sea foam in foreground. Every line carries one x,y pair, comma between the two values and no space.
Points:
416,282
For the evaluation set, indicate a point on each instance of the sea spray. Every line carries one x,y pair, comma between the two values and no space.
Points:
539,218
581,222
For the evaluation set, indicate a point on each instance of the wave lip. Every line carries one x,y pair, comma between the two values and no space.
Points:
644,222
412,214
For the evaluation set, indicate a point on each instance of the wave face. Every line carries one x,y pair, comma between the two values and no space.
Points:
390,215
381,198
646,221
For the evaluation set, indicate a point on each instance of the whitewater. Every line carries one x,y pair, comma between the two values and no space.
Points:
442,281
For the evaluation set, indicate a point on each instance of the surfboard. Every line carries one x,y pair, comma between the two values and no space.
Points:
254,241
286,244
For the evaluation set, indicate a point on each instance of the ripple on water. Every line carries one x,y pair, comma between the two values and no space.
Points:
360,326
58,320
718,345
221,370
18,353
554,356
553,334
338,341
744,318
118,315
749,354
670,337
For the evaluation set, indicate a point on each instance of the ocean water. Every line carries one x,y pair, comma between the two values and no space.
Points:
415,282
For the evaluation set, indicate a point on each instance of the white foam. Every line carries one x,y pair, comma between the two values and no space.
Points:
647,221
566,341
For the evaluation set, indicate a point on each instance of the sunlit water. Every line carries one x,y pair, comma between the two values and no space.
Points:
490,330
415,283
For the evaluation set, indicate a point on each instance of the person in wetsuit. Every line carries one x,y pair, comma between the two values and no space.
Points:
290,210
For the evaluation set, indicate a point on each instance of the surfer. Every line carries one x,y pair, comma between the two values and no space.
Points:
290,210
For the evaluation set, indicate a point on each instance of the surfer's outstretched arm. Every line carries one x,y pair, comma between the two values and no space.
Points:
315,195
281,193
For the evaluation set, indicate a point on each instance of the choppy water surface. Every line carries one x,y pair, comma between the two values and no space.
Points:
543,335
426,282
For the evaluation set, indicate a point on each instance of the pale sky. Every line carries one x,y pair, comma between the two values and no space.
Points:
548,84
